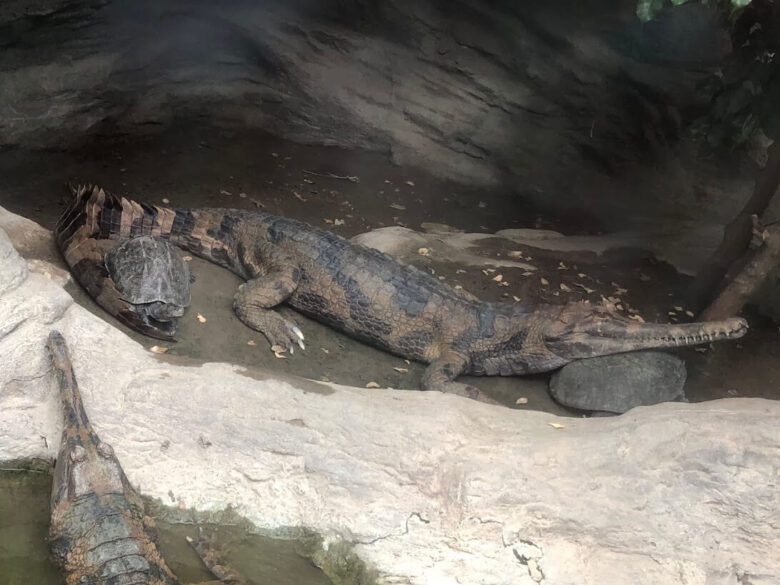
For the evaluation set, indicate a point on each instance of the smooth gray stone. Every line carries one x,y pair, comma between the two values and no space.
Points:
617,383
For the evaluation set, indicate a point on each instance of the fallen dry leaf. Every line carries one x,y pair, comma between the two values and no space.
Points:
410,183
424,252
251,342
458,287
498,277
636,318
224,192
402,370
504,283
242,195
256,203
460,271
279,351
166,200
338,222
689,313
581,275
398,206
544,281
562,266
678,309
521,400
158,349
325,351
299,197
527,273
187,258
372,385
516,298
557,425
481,204
515,254
201,318
327,220
308,181
275,154
621,291
565,288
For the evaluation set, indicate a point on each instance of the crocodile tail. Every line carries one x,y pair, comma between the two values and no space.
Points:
99,214
93,222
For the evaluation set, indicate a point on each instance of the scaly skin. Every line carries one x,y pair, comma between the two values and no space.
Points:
375,298
99,533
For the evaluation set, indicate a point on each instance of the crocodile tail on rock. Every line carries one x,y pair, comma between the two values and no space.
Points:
101,215
96,220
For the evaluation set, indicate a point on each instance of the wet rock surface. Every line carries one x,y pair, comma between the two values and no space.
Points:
618,383
431,488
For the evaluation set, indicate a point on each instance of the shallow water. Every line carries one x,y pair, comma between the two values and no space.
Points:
24,556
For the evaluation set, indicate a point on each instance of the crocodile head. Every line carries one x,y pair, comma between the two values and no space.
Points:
85,464
552,336
582,331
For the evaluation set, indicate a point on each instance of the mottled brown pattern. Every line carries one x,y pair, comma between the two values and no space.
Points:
379,300
99,533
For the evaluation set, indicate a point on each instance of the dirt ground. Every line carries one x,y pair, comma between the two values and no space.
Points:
352,192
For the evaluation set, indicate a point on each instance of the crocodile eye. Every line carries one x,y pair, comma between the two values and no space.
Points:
105,450
78,454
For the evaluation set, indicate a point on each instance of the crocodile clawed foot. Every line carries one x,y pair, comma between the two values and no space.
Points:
286,334
214,560
465,390
278,330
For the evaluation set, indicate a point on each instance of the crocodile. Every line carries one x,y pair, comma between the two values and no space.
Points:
99,532
371,296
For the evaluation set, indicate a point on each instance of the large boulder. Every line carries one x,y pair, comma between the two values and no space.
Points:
618,383
430,488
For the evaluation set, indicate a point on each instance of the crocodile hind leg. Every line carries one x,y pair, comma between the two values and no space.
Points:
215,561
254,302
441,373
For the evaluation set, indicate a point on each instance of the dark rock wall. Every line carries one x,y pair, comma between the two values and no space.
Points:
542,98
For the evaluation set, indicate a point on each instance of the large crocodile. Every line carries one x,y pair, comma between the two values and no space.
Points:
99,532
367,294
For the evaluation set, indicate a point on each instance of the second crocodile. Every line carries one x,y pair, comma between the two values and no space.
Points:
99,533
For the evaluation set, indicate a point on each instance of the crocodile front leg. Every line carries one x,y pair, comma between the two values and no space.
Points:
215,561
441,373
254,302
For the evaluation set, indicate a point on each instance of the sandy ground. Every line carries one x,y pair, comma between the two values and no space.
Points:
193,166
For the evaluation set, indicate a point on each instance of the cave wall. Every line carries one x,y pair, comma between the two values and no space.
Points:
543,99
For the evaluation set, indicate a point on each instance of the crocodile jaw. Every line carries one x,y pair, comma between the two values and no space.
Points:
618,335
